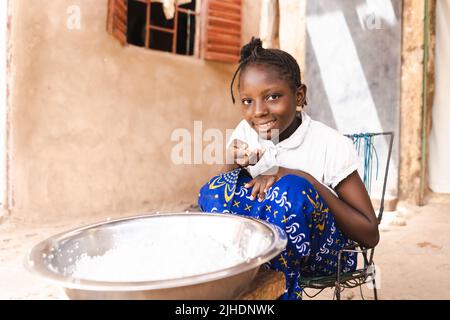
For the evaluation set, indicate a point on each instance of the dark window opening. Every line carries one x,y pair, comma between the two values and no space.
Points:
136,23
159,34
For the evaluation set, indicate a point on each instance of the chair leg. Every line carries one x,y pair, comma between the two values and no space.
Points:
374,283
337,291
374,289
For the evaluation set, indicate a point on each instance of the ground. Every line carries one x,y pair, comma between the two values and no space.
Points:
413,256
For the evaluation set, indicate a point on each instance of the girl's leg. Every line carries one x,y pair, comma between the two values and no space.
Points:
293,204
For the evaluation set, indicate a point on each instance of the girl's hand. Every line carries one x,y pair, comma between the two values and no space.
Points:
243,156
262,183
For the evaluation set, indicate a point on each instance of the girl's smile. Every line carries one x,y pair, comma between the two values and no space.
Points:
265,126
269,103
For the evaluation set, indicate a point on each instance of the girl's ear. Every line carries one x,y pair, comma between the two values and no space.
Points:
301,95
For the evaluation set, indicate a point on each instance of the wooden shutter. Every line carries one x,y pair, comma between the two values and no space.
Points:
117,19
221,29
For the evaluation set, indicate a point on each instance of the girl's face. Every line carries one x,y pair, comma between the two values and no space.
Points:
269,103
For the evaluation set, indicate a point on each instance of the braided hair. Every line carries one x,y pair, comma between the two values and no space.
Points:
254,54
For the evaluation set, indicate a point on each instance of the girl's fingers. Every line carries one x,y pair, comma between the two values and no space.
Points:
244,156
260,186
255,156
239,144
255,190
243,149
252,158
241,157
261,195
269,184
250,184
259,154
242,161
240,153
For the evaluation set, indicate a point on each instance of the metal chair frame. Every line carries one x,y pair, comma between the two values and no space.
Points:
358,277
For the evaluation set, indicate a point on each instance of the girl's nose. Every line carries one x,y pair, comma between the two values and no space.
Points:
260,109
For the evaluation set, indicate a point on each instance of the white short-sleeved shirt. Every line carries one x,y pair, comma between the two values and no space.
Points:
314,148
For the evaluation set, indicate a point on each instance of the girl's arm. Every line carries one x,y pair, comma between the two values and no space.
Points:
228,167
352,210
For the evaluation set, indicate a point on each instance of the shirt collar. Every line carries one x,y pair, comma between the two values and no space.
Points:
297,138
292,142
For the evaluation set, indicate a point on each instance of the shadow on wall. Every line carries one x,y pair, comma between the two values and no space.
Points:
353,59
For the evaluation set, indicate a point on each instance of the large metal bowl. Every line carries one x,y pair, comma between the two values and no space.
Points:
54,259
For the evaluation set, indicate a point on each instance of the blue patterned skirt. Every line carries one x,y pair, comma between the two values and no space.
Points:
293,204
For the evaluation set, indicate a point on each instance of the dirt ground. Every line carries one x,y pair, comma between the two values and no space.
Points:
413,256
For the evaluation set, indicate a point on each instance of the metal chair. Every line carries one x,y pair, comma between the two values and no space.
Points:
365,274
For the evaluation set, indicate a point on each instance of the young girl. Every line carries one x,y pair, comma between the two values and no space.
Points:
291,171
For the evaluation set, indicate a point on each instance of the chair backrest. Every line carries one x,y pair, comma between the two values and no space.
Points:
364,142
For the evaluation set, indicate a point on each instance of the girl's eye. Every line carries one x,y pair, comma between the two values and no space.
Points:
273,97
246,102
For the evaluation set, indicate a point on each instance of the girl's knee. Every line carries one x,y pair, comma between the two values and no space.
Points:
294,181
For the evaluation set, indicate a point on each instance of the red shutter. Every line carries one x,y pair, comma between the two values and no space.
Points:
221,30
117,19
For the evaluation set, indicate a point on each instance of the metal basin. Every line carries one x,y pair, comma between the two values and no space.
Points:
189,236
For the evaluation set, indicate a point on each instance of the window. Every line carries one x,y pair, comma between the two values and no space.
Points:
208,29
174,34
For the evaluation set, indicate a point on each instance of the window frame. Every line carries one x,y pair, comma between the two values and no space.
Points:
174,31
218,31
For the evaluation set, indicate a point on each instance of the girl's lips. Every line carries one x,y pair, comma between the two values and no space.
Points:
265,126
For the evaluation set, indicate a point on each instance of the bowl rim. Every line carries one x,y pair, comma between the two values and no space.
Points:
276,247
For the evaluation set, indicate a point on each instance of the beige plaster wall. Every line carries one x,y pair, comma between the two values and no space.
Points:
251,11
91,121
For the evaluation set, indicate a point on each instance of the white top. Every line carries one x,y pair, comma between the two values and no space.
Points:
314,148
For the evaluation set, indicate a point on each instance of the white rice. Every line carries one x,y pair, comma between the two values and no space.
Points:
137,258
